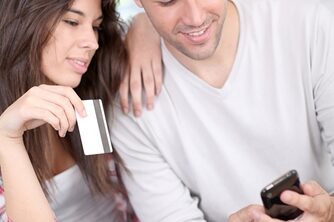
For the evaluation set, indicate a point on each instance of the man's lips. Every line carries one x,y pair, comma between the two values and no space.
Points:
198,37
196,33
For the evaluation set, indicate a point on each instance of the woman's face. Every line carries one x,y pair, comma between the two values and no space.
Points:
68,53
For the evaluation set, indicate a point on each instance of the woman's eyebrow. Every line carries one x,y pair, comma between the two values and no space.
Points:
76,12
81,13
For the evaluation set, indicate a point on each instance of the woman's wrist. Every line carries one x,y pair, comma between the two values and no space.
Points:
10,146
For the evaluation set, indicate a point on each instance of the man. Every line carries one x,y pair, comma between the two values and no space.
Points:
248,94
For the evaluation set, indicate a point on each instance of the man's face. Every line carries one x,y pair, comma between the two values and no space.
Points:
192,27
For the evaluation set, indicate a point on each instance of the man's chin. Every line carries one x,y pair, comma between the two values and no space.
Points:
199,54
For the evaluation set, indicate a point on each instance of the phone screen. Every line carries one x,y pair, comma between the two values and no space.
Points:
270,196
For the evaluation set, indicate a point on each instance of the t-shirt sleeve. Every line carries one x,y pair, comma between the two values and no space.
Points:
155,191
322,62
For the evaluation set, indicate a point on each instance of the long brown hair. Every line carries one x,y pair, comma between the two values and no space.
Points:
25,28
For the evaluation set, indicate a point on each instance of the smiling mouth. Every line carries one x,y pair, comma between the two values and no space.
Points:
197,33
198,37
80,66
81,63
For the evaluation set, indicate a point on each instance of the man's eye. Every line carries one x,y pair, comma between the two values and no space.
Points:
71,23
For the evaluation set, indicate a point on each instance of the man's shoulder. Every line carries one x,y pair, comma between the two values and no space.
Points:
283,6
163,109
286,14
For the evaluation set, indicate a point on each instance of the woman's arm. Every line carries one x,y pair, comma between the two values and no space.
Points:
145,65
25,200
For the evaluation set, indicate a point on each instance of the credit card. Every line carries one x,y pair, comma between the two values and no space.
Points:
93,129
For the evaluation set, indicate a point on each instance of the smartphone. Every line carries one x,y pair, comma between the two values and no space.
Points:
270,196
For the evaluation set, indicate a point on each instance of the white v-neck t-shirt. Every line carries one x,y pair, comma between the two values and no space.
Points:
204,153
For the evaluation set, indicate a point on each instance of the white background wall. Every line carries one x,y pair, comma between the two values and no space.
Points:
127,9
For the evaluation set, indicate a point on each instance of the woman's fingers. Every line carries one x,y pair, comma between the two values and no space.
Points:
40,117
70,94
136,90
124,93
55,105
145,69
59,113
149,84
63,106
147,76
157,73
59,101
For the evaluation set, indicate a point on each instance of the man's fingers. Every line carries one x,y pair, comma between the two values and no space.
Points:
303,202
312,189
249,214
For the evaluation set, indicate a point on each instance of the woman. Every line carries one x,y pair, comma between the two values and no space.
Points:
53,54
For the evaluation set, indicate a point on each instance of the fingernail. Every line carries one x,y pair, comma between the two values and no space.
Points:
285,196
125,110
83,113
149,106
137,113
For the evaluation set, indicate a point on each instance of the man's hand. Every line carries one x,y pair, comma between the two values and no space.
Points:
251,213
317,204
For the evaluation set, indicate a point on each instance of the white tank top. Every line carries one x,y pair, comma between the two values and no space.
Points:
72,201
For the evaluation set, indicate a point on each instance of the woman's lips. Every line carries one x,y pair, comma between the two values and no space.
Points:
80,66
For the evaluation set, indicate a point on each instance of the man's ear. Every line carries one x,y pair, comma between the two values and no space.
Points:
138,3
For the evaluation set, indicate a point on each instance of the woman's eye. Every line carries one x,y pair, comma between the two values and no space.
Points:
97,28
167,3
71,23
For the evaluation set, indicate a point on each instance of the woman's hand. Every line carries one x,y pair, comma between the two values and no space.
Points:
317,204
42,104
145,65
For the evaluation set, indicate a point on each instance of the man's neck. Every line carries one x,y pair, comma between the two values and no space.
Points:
216,69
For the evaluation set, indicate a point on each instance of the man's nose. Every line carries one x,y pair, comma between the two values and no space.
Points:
194,14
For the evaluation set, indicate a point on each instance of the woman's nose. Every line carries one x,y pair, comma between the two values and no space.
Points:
89,39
